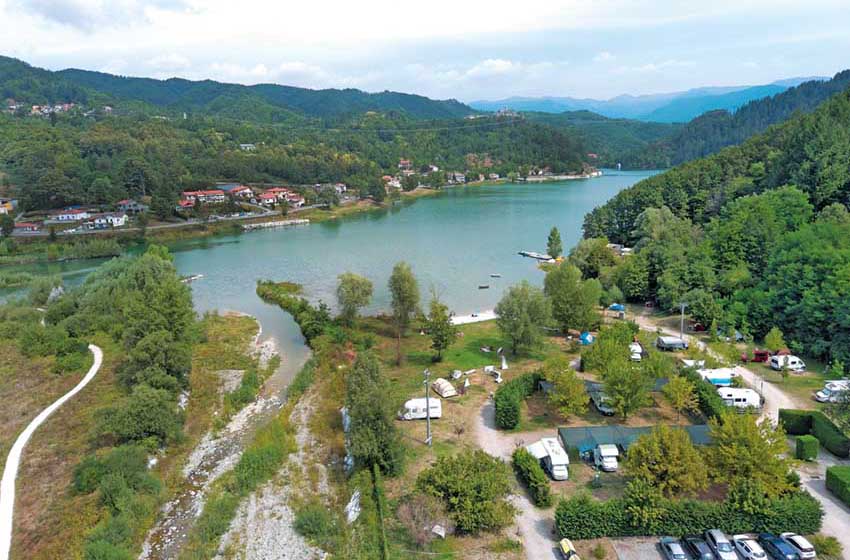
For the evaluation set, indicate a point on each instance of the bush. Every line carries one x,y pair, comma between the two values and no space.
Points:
796,422
529,471
802,422
807,447
827,548
838,482
146,413
708,400
102,550
315,522
509,397
474,487
582,517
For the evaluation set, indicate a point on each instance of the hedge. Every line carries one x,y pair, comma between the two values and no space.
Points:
709,401
529,471
582,517
838,482
814,422
807,447
509,397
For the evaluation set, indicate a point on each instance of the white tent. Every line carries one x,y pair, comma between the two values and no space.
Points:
443,388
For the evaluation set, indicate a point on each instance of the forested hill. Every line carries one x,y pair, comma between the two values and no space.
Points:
714,130
810,151
753,238
261,103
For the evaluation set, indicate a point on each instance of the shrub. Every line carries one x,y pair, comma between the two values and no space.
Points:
146,413
801,422
827,548
315,522
509,397
102,550
529,471
807,447
473,486
419,513
582,517
838,482
796,422
708,400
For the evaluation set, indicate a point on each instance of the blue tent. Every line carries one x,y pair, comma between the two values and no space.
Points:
617,307
586,338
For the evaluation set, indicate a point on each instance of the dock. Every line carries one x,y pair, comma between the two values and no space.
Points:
536,255
277,224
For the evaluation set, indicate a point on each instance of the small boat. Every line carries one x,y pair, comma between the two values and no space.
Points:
495,275
192,278
483,286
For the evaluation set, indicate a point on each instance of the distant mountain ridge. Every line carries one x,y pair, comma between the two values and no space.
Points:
19,80
662,107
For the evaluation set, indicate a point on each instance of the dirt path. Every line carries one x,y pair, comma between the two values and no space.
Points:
10,472
836,520
536,526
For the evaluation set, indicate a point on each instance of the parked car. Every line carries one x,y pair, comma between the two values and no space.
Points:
671,343
602,403
777,548
698,548
748,548
567,550
720,544
673,549
801,544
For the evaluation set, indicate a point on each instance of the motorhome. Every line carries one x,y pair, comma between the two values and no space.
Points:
552,457
671,343
635,351
605,457
834,391
787,361
740,398
719,377
416,409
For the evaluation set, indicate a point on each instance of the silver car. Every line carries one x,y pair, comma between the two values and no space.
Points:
720,544
673,549
800,544
748,547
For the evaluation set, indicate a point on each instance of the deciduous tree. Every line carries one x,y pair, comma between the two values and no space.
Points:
440,327
404,291
523,312
553,245
569,394
352,293
666,459
682,395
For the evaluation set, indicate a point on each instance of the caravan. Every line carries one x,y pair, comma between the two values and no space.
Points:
740,398
552,456
605,457
415,409
834,391
792,363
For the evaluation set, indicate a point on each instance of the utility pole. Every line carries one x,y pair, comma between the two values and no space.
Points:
682,321
427,374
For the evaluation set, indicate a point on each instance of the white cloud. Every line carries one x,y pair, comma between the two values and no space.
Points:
169,62
604,56
657,66
88,15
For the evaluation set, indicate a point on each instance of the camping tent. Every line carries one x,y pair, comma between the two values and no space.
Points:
587,338
443,388
586,438
617,307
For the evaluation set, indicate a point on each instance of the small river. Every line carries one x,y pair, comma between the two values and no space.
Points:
454,241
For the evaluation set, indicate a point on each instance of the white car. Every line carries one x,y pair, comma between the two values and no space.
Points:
748,547
800,544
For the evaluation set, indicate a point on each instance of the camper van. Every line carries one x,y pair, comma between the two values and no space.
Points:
671,343
719,377
834,391
739,398
552,456
415,409
791,362
605,457
635,351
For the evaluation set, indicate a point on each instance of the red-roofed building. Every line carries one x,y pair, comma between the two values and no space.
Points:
185,204
405,164
268,199
27,227
214,196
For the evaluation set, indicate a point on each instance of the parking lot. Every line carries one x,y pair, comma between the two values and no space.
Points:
640,548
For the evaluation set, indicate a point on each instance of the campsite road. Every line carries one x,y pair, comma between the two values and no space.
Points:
10,473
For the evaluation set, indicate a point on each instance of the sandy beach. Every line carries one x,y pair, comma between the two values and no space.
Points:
488,315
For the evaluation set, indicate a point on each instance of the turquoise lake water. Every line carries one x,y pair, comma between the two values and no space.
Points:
453,240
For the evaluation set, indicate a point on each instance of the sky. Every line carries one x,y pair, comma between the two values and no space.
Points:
461,49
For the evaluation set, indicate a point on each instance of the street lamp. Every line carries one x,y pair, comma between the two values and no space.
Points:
427,375
682,321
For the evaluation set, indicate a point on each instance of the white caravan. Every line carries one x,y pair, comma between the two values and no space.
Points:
739,398
605,457
834,391
552,456
415,409
791,362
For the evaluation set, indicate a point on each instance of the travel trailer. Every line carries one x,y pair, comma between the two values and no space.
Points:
739,398
671,343
791,362
552,457
415,409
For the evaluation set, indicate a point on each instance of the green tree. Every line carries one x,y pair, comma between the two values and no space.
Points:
627,386
574,301
523,312
745,449
553,245
681,393
7,225
666,459
774,339
474,487
592,256
148,415
440,327
569,394
404,291
372,435
352,293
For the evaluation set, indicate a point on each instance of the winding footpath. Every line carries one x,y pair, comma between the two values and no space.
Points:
10,473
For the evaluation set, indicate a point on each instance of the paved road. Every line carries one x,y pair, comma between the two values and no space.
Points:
10,473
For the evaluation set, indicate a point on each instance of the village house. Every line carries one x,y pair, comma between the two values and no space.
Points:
213,196
340,188
454,177
70,215
7,205
405,164
237,190
130,206
247,147
27,227
267,199
391,182
106,221
185,204
493,176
